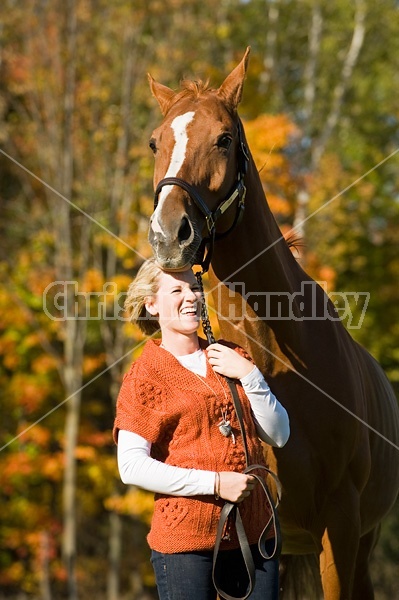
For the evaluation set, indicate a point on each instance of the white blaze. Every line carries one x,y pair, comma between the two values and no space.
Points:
179,126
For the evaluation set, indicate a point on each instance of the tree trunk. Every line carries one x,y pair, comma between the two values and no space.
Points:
74,329
314,39
270,51
45,591
331,122
115,553
359,30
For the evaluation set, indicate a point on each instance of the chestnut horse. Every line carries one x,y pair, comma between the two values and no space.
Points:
340,468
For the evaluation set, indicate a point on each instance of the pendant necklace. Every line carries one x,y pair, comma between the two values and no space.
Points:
225,427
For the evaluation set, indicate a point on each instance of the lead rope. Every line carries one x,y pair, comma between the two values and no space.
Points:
206,324
231,510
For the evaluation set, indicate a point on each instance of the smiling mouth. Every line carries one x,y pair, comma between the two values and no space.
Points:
190,312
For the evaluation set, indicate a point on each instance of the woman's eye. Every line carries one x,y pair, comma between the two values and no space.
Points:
153,146
224,141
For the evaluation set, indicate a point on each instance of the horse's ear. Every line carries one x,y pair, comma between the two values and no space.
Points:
162,93
231,88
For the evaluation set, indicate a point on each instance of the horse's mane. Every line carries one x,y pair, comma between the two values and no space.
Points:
294,241
194,88
191,89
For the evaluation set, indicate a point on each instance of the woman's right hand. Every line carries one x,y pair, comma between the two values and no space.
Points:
234,487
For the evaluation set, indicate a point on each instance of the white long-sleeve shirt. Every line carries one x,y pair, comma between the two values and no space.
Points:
137,467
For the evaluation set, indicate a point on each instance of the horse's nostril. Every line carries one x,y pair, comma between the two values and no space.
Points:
185,230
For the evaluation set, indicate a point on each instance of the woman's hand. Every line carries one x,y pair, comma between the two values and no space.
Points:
228,362
234,487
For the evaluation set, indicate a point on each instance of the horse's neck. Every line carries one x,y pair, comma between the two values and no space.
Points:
257,244
255,259
256,252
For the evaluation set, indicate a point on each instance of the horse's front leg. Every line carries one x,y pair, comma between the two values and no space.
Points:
362,586
340,542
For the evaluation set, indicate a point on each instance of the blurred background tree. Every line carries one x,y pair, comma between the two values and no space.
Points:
321,114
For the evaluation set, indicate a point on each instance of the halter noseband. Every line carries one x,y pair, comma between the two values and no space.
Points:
211,217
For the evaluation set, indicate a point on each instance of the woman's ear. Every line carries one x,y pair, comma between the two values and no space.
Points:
151,307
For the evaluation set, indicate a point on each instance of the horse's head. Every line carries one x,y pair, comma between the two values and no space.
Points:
200,163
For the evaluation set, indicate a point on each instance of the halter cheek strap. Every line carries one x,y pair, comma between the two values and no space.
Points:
211,217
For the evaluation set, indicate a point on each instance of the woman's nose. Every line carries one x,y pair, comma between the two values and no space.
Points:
191,295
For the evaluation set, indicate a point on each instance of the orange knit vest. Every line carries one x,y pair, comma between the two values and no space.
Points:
175,410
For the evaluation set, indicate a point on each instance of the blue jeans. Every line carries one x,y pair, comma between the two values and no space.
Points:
188,575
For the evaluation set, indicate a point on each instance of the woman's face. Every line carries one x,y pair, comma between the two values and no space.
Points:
177,303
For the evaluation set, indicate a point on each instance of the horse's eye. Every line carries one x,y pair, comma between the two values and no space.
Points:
225,141
153,145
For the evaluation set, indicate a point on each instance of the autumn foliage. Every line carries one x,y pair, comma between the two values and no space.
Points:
76,196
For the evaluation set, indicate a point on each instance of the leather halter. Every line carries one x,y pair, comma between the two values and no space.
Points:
211,217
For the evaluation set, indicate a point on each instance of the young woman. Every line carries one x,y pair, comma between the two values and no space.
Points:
178,436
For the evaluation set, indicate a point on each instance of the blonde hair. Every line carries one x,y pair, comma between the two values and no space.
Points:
144,286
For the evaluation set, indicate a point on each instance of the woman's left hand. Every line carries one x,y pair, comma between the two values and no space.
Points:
228,362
